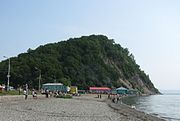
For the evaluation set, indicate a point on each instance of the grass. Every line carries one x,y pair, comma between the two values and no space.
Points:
11,92
64,96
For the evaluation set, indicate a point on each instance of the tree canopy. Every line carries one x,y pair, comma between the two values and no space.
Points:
87,61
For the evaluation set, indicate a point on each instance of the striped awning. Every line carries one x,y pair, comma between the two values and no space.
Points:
100,88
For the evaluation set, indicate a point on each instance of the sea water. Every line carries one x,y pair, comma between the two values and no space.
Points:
166,106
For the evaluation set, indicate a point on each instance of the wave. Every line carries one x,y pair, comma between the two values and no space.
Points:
170,118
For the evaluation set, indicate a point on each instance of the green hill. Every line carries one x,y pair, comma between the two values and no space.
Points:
86,61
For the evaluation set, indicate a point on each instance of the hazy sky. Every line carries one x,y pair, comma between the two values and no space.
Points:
150,29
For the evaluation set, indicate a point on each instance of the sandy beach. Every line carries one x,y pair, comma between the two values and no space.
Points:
83,108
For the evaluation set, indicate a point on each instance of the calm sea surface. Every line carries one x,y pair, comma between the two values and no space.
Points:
166,106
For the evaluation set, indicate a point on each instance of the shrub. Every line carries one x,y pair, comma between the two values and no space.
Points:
64,96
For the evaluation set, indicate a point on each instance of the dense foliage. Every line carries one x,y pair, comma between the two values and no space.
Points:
87,61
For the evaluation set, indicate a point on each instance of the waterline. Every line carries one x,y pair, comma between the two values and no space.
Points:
164,106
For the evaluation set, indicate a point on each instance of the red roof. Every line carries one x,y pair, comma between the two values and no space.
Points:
100,88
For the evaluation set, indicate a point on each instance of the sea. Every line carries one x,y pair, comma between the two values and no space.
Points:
165,106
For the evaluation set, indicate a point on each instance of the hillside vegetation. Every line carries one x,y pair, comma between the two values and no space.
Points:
86,61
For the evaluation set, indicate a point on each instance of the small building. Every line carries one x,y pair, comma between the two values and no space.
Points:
55,87
122,90
99,89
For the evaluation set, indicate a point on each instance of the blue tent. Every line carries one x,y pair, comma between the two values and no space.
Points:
122,90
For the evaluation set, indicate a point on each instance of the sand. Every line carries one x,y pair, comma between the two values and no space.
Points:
82,108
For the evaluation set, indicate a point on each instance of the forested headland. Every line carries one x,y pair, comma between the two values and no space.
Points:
87,61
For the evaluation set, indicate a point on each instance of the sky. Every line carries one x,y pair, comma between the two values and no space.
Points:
150,29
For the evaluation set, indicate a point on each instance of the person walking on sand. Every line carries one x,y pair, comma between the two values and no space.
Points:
26,91
46,92
25,94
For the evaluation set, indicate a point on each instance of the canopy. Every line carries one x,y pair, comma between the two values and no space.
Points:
121,88
100,88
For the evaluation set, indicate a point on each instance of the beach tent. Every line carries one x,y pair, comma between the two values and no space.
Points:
122,90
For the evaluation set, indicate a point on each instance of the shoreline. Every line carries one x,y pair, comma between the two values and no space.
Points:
129,112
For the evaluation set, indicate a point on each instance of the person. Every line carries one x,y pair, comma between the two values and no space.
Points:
113,99
108,95
46,92
50,93
34,94
117,98
25,94
26,91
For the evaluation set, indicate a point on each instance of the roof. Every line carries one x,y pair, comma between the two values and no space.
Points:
99,88
53,84
121,88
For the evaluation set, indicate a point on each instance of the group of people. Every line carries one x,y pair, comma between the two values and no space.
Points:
34,93
45,91
26,92
49,93
114,98
99,96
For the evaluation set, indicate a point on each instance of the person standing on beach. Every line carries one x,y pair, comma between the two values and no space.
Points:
25,94
46,92
26,91
108,96
117,98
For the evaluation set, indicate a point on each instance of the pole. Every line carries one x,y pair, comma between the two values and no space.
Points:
39,80
39,85
8,76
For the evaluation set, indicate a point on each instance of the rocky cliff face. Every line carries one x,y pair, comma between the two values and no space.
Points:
135,82
86,61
